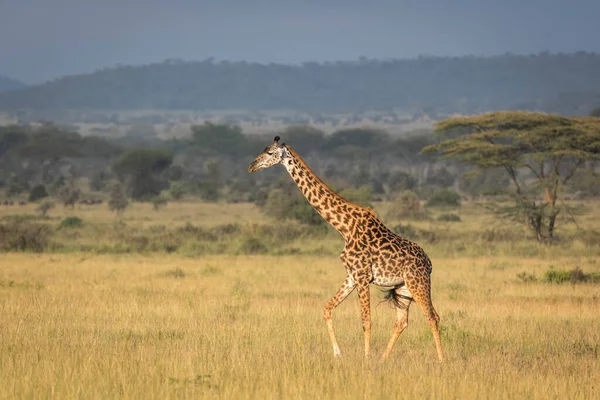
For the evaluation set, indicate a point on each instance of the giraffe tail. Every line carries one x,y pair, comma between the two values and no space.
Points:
393,298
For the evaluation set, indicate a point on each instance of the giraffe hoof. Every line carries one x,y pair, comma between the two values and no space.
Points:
337,353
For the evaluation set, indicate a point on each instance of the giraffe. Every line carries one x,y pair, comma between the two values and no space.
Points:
372,253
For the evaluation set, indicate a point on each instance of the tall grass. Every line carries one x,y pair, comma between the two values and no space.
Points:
216,301
167,326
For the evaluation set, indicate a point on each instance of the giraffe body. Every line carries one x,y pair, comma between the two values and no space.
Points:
372,254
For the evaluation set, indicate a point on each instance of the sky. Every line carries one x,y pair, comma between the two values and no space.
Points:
42,40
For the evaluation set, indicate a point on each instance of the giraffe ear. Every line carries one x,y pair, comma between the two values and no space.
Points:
284,153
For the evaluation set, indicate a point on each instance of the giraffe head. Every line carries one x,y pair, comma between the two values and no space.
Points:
271,155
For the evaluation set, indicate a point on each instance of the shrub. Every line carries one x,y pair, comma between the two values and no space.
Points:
71,222
69,195
45,207
576,275
526,277
288,204
118,201
444,198
177,273
24,236
37,192
176,191
449,218
158,202
253,245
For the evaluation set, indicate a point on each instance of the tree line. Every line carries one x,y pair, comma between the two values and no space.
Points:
531,160
559,83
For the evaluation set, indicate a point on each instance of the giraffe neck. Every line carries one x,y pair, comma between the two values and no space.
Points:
338,212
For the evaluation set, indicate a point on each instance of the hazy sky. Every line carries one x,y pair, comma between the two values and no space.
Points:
45,39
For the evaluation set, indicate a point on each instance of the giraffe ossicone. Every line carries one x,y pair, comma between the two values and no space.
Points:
372,254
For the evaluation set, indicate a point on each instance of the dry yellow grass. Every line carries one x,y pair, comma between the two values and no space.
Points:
167,326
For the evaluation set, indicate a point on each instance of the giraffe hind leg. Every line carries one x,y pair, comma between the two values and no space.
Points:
401,298
420,287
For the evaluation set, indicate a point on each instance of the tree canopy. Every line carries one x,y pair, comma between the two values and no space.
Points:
549,148
141,170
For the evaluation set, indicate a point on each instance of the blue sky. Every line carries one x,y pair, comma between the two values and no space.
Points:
44,39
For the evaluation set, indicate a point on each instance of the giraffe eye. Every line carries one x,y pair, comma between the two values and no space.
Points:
270,153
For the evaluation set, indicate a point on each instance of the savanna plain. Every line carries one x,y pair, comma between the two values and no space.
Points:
231,308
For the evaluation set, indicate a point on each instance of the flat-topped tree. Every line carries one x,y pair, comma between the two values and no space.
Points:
550,147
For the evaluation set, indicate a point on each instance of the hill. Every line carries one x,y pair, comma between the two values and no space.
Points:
9,84
564,83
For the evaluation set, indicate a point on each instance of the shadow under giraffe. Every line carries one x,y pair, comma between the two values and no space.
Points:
372,254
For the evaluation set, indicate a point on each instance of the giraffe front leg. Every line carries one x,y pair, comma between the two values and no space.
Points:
346,288
364,296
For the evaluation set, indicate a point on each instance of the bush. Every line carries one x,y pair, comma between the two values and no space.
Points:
24,236
45,207
158,202
71,222
289,204
253,245
38,192
176,191
449,218
69,195
576,275
444,198
118,201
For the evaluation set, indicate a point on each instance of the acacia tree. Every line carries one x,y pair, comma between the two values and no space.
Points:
141,171
550,147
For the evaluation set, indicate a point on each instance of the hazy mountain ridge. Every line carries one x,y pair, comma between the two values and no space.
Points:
7,83
565,83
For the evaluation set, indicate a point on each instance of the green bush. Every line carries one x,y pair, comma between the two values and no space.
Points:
158,202
289,204
24,236
449,218
557,276
444,198
253,245
576,275
45,207
176,191
71,222
38,192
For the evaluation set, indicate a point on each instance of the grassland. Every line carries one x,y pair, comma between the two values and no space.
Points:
186,324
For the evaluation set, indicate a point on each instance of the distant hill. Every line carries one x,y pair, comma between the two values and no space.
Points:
565,83
9,84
